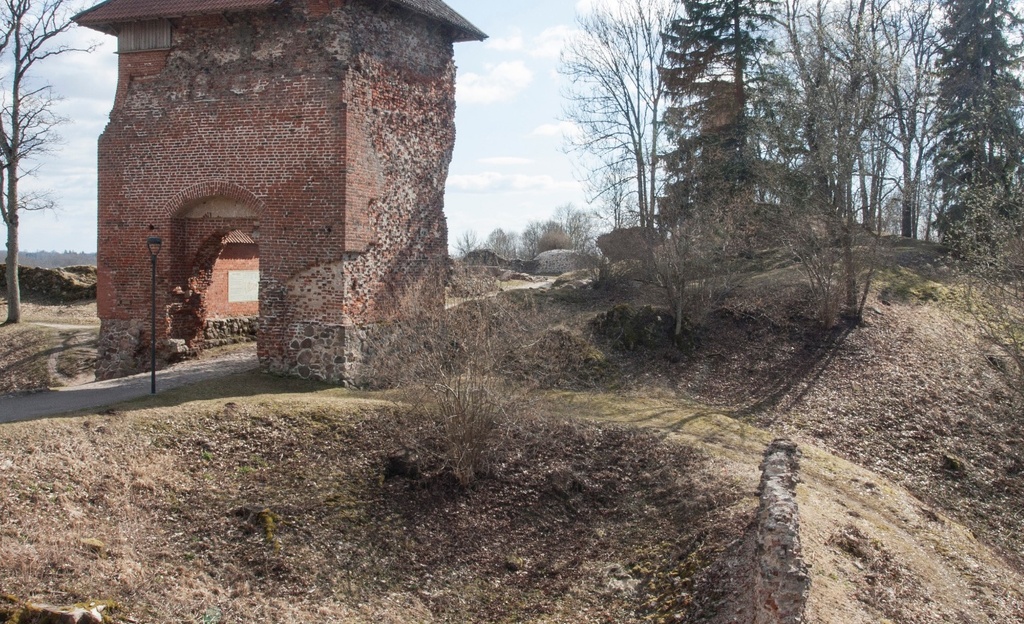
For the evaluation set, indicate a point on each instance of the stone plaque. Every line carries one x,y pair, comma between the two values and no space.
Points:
243,286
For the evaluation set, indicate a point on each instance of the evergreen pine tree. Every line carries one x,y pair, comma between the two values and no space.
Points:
980,144
710,50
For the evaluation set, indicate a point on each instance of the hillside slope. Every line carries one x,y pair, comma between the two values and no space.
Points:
255,496
269,497
908,393
877,552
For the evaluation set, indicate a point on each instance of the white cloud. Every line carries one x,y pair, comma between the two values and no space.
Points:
548,44
586,6
505,160
560,129
85,82
492,181
501,82
512,43
85,75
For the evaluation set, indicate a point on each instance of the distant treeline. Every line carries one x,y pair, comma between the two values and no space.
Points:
55,259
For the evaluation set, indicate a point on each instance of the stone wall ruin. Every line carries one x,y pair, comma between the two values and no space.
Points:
782,577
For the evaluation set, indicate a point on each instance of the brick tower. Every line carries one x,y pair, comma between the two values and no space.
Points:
292,157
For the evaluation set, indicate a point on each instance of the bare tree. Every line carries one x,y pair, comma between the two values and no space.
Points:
832,61
697,266
617,93
568,228
616,206
529,240
505,244
578,225
466,242
28,30
912,86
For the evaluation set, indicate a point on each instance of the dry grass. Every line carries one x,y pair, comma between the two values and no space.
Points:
78,313
40,352
24,357
877,553
257,497
274,506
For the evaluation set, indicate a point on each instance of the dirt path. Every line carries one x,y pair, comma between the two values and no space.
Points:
99,393
503,287
73,361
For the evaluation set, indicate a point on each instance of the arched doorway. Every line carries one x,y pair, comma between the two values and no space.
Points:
217,258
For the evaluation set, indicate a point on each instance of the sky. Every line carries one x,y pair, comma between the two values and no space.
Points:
509,166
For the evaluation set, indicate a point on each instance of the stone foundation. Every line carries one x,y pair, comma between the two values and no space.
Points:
123,349
331,353
220,332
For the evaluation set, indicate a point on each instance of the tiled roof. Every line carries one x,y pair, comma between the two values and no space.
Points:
238,236
444,13
116,11
110,12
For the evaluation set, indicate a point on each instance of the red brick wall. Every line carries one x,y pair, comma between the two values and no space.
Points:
331,130
234,257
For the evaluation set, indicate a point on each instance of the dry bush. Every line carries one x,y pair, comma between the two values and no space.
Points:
814,245
996,301
454,367
697,266
839,260
553,239
563,358
998,309
471,281
630,329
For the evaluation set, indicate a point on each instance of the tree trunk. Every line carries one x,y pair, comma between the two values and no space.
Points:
867,207
646,220
849,265
908,222
652,198
13,288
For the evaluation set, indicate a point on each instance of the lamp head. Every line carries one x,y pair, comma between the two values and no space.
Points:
154,243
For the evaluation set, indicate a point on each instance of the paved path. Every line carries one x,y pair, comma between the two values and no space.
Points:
100,393
67,326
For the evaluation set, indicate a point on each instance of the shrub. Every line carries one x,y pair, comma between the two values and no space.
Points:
697,266
995,296
630,328
553,239
454,367
560,358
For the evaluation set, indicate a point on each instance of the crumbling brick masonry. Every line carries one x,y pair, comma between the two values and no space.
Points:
316,132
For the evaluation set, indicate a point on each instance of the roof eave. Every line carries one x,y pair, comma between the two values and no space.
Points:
460,32
463,35
110,27
103,28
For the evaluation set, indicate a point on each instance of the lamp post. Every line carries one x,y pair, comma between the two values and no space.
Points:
153,243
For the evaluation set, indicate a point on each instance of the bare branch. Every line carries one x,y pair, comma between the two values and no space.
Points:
29,34
616,95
